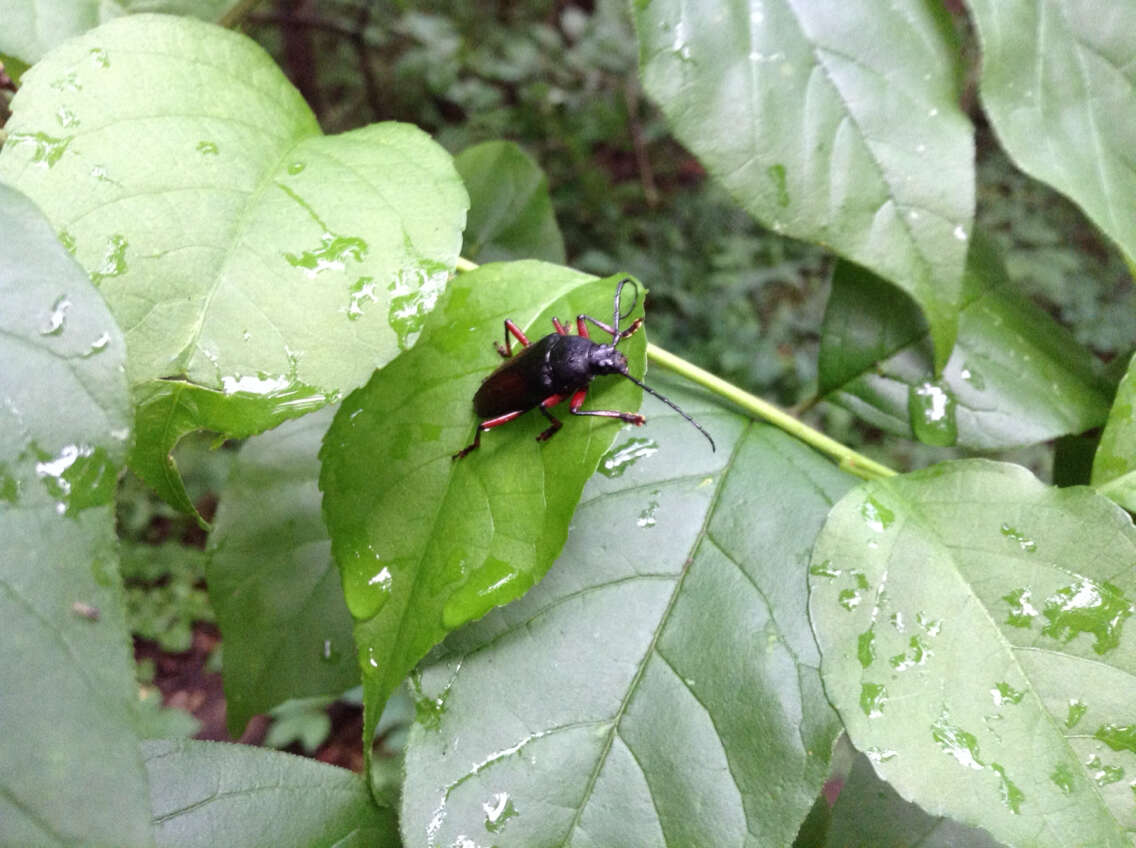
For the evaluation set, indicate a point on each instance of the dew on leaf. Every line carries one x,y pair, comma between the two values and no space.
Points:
1103,773
931,413
824,569
1024,542
413,296
1012,796
114,259
57,318
849,599
1119,737
647,516
959,743
1022,612
877,516
498,811
332,254
873,698
48,149
622,456
1077,710
1004,693
362,289
491,584
1064,777
66,118
916,655
1099,609
866,647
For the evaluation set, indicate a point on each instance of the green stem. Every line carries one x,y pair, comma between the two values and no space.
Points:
848,459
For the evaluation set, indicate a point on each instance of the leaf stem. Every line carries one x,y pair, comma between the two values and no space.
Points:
847,458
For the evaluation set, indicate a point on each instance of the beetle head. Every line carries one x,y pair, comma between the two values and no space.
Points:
605,359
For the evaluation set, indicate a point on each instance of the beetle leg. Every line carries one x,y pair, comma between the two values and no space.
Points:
578,401
582,328
488,424
559,325
551,400
507,349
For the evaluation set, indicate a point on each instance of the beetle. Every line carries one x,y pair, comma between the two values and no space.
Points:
559,366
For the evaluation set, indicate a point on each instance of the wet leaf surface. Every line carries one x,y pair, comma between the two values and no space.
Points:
259,268
836,124
424,543
974,628
74,775
205,794
660,685
1015,376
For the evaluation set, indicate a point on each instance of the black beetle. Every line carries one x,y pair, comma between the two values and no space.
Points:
558,366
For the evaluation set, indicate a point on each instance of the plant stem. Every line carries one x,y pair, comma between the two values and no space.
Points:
847,458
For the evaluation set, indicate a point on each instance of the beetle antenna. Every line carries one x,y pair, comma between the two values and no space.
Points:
620,316
673,406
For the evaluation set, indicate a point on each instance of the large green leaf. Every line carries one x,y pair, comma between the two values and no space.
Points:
272,580
1114,465
209,794
72,774
510,212
32,27
661,685
973,626
1059,87
258,267
424,543
1015,377
834,123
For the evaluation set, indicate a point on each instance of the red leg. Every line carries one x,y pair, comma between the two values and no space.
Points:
581,327
507,350
488,424
560,328
578,401
551,400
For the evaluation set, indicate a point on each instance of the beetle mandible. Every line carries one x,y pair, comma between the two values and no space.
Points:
557,367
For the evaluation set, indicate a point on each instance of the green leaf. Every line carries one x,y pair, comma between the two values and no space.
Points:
1059,88
869,812
272,580
834,124
1015,377
73,774
32,27
260,268
973,625
208,794
1114,466
661,685
510,212
424,543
